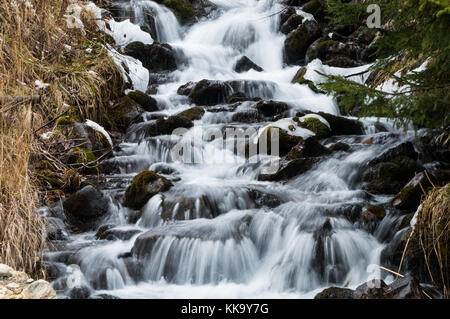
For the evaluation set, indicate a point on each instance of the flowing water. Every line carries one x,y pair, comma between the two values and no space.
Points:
217,232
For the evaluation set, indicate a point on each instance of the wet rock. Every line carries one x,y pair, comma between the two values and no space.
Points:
334,53
148,103
342,126
409,197
194,113
339,146
316,126
248,116
166,126
185,208
307,148
126,112
286,141
209,92
144,186
299,78
262,199
186,89
403,149
271,108
286,14
156,57
373,289
289,169
237,97
374,212
110,232
291,23
244,64
298,41
317,8
85,209
79,293
335,293
389,177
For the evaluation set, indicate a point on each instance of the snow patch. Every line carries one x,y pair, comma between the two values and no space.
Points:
289,125
100,129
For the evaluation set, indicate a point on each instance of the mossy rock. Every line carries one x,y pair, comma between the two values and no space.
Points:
298,41
389,177
148,103
316,126
307,148
126,112
48,179
166,126
182,9
286,141
81,156
299,78
194,113
271,108
144,186
64,121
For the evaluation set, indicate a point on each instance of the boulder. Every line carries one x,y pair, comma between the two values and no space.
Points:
147,103
248,116
85,209
110,232
144,186
409,197
208,92
237,97
298,41
316,126
186,89
192,114
339,146
309,147
389,177
299,78
343,126
403,149
166,126
156,57
244,64
330,51
126,112
285,15
271,108
291,23
335,293
289,169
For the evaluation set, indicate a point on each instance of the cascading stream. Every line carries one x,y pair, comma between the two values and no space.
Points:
209,237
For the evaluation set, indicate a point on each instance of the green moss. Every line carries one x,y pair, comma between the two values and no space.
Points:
139,97
141,189
315,125
148,103
103,141
299,78
194,113
286,141
167,126
182,9
64,121
81,156
48,179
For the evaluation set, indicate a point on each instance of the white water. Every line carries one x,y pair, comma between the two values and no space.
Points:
223,245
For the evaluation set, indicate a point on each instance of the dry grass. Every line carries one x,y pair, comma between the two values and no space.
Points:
82,81
433,234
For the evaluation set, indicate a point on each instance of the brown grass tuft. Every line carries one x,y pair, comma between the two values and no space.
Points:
82,82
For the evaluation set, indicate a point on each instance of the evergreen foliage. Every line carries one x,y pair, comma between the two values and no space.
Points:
414,33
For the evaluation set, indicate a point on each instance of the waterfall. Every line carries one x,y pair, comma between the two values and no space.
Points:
208,237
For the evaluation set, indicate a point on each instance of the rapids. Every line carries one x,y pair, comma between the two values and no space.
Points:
213,239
